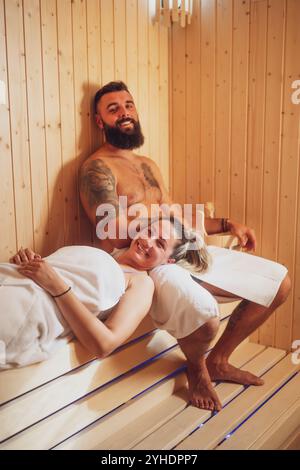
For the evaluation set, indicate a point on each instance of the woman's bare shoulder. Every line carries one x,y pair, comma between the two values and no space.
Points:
140,277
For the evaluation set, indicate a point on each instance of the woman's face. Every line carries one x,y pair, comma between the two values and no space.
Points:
153,245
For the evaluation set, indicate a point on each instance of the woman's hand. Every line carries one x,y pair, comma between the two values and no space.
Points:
24,255
44,275
245,235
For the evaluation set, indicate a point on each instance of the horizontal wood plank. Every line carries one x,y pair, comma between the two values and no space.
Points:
76,416
261,422
158,418
238,410
173,432
130,412
15,382
53,396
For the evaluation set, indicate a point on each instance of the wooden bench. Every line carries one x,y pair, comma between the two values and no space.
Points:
137,399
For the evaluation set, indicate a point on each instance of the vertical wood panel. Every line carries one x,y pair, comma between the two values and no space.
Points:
55,238
19,122
223,105
107,41
256,114
163,90
132,47
143,79
179,113
272,145
36,122
67,109
120,39
59,53
296,293
193,97
8,244
82,105
289,171
207,111
257,135
241,15
153,81
94,64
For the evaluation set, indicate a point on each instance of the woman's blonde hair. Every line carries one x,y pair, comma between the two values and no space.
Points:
190,252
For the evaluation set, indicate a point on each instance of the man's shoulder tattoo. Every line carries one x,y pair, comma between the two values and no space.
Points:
97,183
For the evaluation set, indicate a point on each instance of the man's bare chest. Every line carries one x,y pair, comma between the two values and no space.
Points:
137,182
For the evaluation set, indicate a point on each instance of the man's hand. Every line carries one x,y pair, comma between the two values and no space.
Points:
245,235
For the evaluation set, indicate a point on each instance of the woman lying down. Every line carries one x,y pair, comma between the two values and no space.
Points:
84,291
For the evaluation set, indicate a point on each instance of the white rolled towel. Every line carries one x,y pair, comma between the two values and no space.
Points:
30,321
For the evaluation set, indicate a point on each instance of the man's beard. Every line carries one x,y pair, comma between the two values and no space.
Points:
124,139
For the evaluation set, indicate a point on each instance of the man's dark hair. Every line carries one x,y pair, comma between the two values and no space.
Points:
108,88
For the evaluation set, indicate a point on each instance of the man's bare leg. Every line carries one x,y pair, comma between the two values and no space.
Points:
194,346
246,318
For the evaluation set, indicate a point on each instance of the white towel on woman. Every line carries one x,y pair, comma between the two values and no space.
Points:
30,321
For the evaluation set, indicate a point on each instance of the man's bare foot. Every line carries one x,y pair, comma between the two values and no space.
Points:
201,391
226,372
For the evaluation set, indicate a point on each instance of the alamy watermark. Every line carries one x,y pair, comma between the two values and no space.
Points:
138,219
296,353
296,94
2,353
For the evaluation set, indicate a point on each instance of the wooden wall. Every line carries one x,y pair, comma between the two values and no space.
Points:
54,55
235,132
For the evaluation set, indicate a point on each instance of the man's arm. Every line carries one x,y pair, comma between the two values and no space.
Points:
98,185
213,226
246,235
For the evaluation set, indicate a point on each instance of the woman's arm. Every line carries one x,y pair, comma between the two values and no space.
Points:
98,337
103,338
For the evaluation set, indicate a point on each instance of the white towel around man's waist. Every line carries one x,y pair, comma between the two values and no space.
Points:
243,274
30,321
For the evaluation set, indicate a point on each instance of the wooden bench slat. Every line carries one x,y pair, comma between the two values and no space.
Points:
132,415
293,441
130,411
188,420
260,423
36,413
287,424
147,423
66,422
53,396
157,416
220,425
15,382
73,386
64,390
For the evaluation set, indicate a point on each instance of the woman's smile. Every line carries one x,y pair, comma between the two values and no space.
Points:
141,249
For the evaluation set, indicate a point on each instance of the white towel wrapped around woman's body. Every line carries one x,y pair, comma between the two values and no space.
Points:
31,324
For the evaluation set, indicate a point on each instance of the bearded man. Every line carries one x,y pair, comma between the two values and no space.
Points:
185,304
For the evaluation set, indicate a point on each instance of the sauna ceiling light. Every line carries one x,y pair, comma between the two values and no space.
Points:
170,11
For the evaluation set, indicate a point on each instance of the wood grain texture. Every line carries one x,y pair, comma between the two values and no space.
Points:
54,56
235,132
